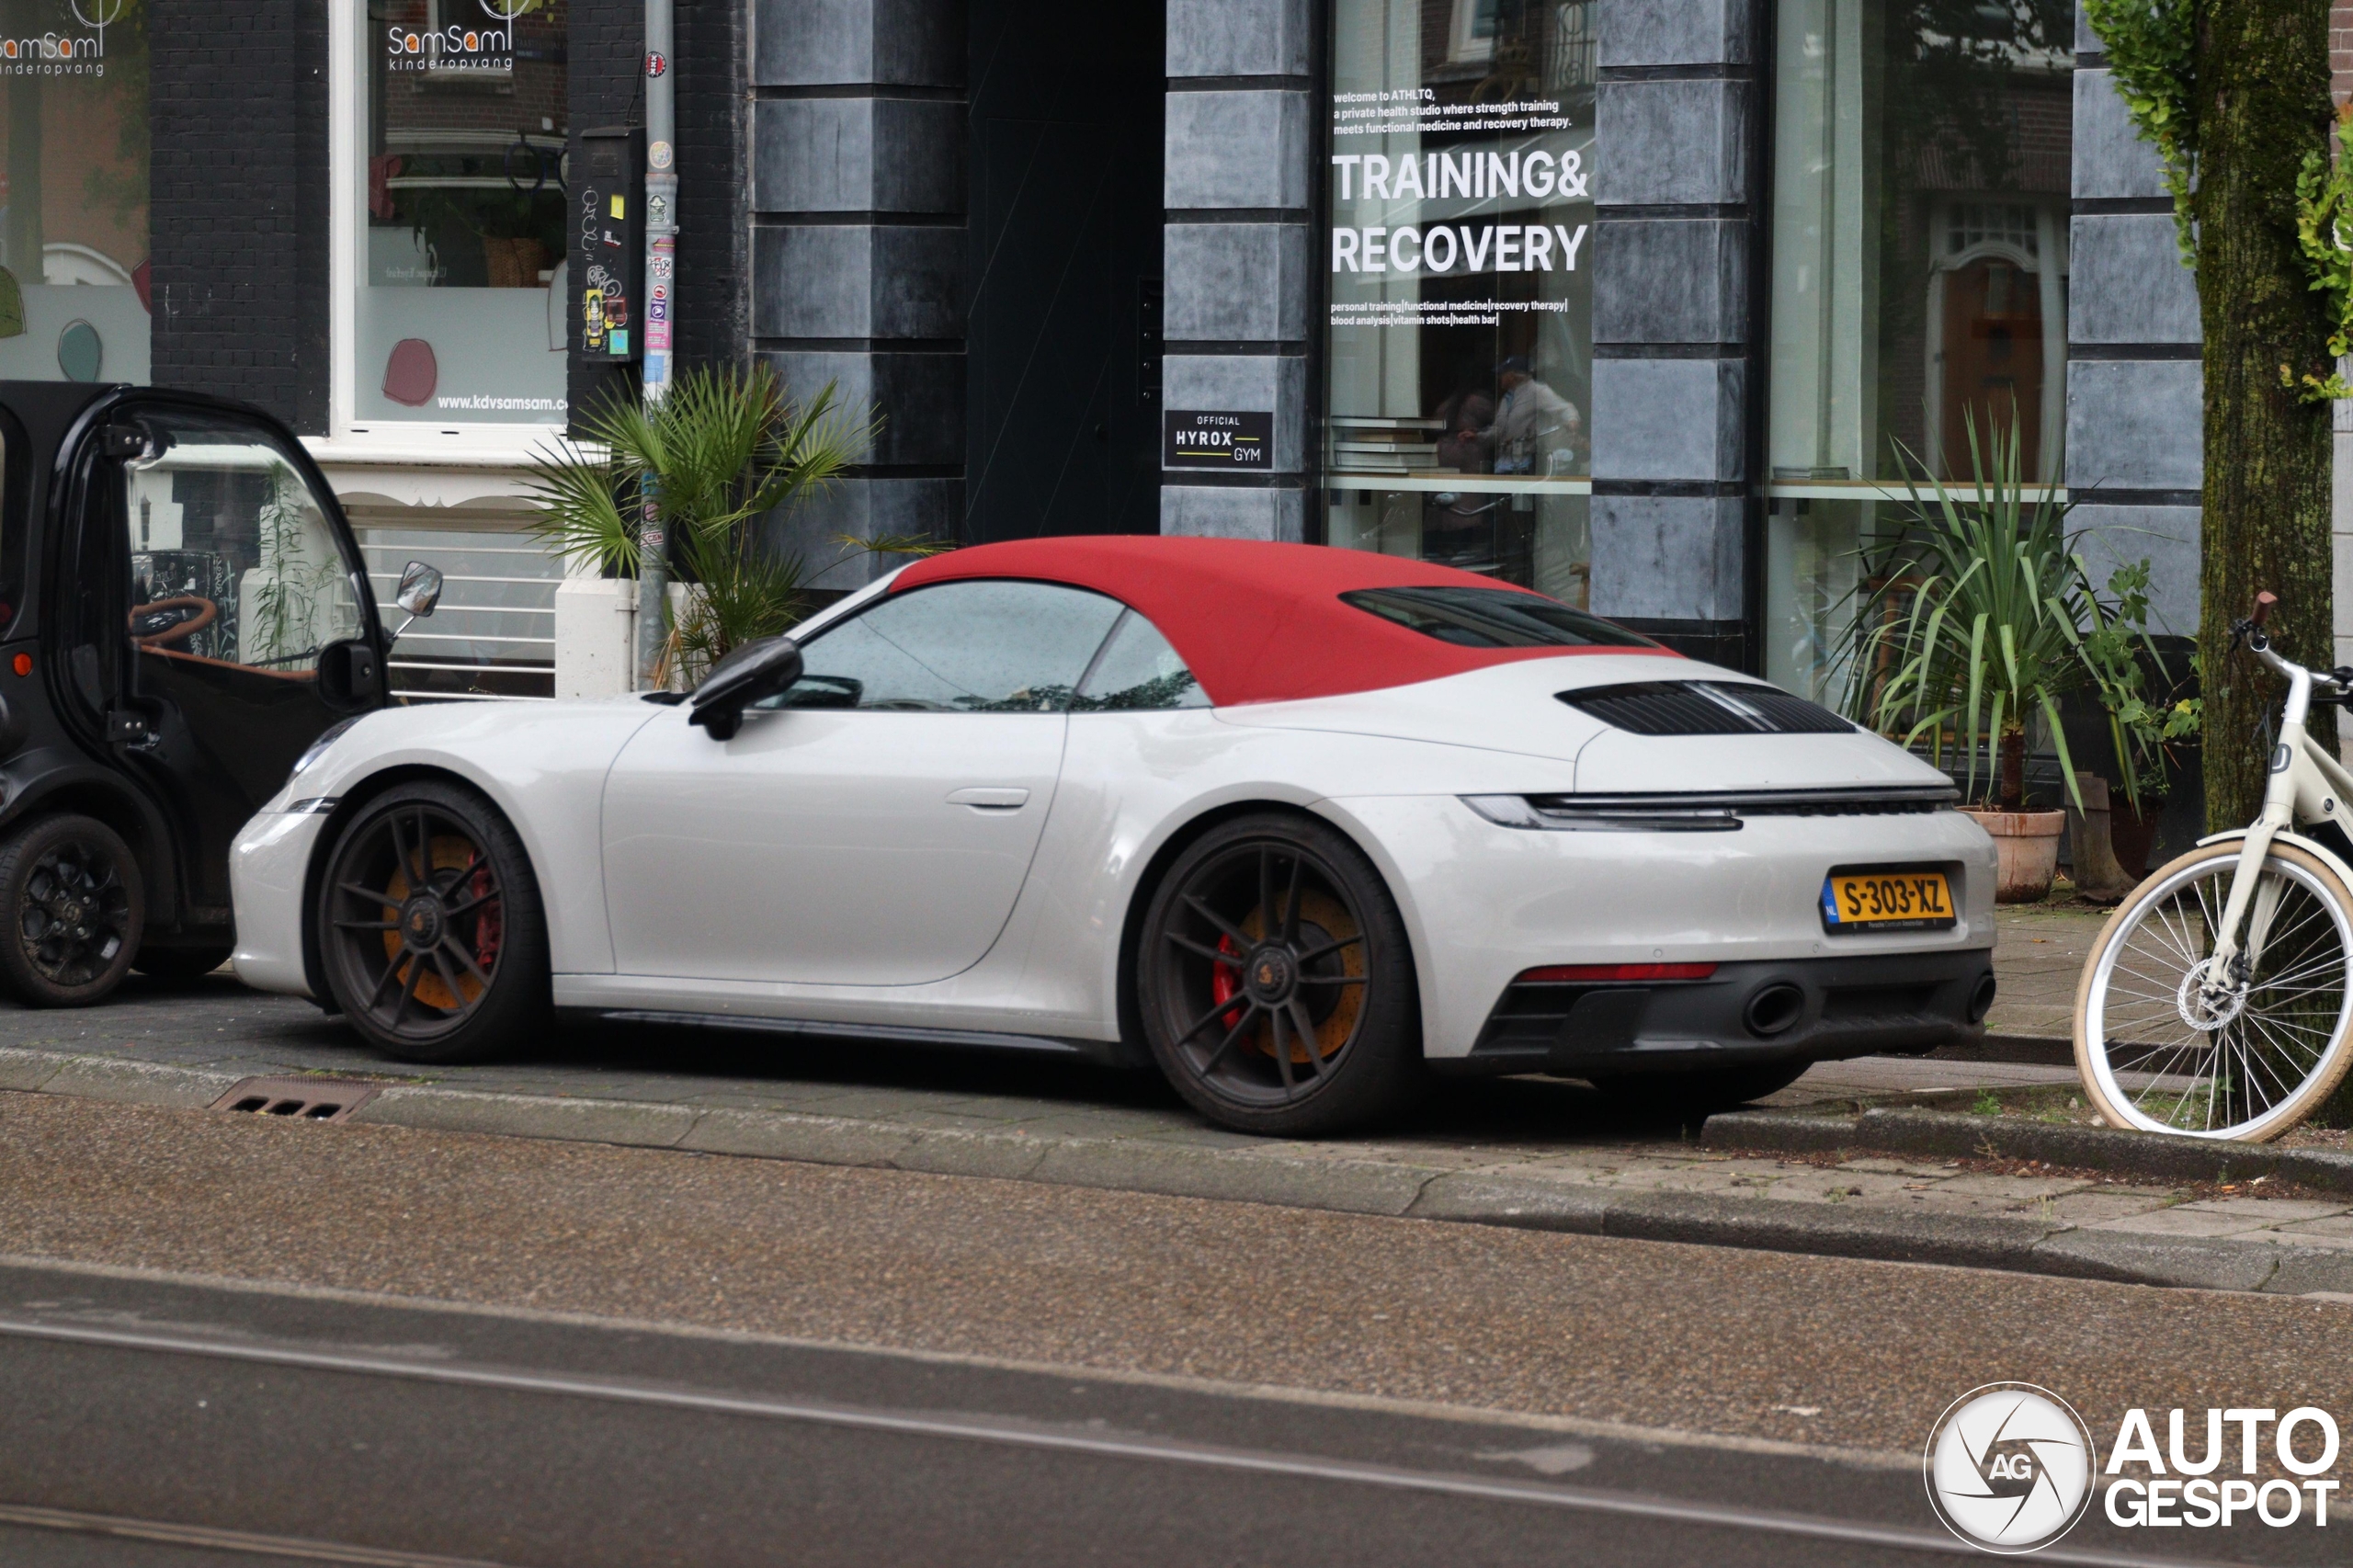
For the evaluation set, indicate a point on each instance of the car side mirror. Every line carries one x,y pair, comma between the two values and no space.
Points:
351,674
756,671
420,588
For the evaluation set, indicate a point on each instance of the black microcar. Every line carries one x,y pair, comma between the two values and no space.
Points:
183,611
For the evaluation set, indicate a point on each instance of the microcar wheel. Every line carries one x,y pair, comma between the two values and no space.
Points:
430,930
179,966
1275,981
75,908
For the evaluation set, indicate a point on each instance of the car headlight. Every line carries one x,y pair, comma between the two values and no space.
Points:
318,748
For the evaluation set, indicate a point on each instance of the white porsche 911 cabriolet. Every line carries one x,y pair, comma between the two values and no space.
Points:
1297,823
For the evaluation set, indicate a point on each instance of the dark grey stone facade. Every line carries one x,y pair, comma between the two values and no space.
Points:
2135,388
1239,257
860,275
856,174
1676,237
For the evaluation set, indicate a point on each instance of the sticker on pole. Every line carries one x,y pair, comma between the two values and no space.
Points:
654,64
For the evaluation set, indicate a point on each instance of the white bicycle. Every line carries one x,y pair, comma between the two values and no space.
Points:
2217,1001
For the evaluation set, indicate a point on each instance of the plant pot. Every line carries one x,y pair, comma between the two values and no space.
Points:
2133,835
2028,843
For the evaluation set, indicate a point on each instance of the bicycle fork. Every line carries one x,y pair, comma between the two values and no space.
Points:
2305,785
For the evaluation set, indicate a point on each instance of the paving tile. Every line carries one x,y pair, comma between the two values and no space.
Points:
2181,1221
1896,1167
1808,1183
2016,1188
2096,1204
2273,1210
2336,1227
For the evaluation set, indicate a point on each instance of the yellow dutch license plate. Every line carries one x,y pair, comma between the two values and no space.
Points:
1899,899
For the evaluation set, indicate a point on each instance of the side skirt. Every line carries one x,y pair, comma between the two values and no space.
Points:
1104,1051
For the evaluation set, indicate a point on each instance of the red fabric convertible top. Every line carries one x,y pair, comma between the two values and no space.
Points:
1255,623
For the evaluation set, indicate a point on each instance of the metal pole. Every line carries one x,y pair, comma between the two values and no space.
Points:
661,293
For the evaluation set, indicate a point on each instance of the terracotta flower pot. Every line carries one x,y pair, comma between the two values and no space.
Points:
2028,843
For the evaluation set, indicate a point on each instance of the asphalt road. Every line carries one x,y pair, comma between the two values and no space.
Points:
530,1353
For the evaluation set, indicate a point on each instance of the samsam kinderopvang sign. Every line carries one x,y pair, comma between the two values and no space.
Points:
62,51
471,43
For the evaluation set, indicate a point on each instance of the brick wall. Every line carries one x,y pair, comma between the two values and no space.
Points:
603,54
714,239
714,307
239,202
2340,51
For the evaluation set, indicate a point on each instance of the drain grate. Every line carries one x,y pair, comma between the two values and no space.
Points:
298,1099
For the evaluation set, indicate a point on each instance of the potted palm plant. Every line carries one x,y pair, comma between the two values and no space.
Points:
2150,712
1968,633
729,448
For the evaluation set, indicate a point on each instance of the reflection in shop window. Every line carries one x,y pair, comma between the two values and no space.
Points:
1920,286
1459,337
461,278
74,264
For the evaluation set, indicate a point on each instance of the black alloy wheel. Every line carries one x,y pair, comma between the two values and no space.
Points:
430,928
76,908
1274,983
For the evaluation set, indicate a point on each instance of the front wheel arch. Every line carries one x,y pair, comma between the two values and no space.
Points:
355,800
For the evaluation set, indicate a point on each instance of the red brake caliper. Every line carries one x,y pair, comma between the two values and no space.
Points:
1225,980
489,925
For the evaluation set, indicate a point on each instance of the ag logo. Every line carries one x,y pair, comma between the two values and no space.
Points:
2009,1467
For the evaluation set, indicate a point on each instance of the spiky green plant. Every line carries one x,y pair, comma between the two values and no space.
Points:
728,448
1970,621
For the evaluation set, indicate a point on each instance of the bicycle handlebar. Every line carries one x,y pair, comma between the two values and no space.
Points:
2263,603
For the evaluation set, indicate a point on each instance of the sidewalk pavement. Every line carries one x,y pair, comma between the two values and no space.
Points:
1530,1152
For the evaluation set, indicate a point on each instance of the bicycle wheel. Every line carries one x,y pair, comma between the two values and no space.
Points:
2155,1055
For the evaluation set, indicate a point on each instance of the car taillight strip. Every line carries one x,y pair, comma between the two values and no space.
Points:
1590,973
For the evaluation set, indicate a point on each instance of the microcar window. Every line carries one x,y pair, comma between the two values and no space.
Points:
1493,618
969,647
232,557
1138,669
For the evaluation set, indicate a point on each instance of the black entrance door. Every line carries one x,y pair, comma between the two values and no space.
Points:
1066,217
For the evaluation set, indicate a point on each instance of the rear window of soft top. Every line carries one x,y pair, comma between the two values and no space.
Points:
1493,618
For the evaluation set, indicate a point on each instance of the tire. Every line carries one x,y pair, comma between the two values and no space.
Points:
179,966
430,929
1701,1092
1268,929
76,908
2155,1057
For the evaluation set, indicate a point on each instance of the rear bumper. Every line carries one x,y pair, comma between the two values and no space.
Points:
1902,1004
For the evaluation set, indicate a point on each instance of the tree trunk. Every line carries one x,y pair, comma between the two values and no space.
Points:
2262,74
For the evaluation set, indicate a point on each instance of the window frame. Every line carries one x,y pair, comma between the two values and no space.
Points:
423,438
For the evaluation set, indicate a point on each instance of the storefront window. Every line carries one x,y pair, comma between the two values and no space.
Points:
460,277
1919,287
74,272
1460,340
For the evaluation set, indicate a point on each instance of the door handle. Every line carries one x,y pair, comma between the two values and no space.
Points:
987,797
